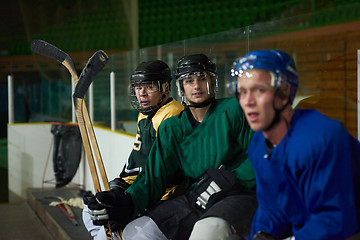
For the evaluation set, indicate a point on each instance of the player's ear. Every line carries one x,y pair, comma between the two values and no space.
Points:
282,95
165,87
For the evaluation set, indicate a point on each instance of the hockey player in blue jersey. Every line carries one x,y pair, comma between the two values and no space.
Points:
307,165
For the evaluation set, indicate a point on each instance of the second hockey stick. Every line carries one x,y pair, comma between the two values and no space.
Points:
46,49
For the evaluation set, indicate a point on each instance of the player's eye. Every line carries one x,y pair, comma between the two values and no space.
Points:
242,92
189,81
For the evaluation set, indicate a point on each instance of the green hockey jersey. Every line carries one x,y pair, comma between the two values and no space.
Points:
145,137
182,152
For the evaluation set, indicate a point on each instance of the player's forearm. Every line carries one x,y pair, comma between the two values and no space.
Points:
324,226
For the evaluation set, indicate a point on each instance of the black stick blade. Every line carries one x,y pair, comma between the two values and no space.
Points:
46,49
95,64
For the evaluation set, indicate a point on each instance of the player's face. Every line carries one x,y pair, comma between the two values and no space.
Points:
256,98
197,88
148,94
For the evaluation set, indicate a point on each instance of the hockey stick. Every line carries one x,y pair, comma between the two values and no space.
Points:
92,68
46,49
43,48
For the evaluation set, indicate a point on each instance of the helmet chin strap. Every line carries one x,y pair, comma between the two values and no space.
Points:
203,104
276,118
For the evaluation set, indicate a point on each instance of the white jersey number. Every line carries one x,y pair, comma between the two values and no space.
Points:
137,143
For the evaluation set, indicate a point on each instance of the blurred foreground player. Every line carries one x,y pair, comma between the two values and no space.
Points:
307,165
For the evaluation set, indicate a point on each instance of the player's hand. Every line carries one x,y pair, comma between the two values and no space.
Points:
115,206
97,212
119,183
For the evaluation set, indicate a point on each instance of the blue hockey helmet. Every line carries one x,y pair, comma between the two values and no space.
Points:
279,63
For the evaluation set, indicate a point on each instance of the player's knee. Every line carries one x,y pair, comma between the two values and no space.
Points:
211,228
142,228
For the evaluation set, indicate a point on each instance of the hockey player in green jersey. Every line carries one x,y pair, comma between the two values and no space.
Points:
149,94
205,145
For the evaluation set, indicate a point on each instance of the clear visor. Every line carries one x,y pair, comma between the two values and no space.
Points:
248,74
235,74
190,77
201,78
145,88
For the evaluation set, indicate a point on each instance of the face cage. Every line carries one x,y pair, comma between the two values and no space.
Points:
180,86
135,103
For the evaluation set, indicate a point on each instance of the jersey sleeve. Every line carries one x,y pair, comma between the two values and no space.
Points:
329,189
162,163
146,135
269,222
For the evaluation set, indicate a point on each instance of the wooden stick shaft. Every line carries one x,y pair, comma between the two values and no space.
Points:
94,143
91,134
85,137
95,148
71,70
86,144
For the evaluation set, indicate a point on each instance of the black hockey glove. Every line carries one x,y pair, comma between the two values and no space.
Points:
119,183
213,186
115,206
97,212
261,235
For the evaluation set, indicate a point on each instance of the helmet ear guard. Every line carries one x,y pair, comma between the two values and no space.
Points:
283,87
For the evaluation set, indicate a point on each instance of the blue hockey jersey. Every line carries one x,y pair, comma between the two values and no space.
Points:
308,185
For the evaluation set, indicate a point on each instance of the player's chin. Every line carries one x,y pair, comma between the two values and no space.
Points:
198,101
256,126
200,98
